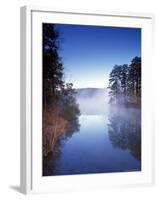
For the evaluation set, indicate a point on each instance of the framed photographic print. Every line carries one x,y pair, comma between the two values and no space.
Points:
86,100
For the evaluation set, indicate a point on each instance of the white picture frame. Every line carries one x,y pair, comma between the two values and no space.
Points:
31,101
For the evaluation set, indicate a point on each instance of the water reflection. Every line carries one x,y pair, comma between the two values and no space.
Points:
124,130
92,145
49,161
73,127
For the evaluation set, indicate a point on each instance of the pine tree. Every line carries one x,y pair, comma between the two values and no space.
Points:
125,82
114,84
135,68
52,64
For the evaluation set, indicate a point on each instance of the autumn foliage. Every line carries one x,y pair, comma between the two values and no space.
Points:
53,129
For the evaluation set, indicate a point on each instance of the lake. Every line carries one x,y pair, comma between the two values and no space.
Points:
106,142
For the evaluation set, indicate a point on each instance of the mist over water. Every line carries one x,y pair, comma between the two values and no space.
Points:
122,126
108,140
93,101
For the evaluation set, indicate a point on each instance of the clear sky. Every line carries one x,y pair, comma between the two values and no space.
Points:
90,52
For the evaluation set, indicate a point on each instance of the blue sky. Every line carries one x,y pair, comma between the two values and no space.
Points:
90,52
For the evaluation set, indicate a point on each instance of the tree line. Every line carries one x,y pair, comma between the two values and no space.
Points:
60,110
125,83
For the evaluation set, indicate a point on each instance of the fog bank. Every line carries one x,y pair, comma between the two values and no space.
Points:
92,101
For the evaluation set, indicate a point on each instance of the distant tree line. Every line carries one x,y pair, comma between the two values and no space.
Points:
125,83
60,110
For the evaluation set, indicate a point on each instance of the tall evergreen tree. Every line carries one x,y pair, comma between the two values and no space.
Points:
123,78
114,84
125,82
135,76
52,64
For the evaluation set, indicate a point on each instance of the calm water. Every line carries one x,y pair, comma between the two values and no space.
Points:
109,142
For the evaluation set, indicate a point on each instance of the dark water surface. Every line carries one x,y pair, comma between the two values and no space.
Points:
109,142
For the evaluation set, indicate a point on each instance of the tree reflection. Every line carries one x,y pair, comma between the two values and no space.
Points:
124,130
49,161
